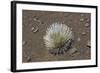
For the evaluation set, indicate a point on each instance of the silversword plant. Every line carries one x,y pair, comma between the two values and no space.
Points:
58,38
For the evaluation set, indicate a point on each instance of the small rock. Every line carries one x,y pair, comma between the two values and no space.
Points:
35,30
83,33
24,42
32,28
78,39
39,21
81,19
72,51
87,24
35,19
28,59
75,54
89,44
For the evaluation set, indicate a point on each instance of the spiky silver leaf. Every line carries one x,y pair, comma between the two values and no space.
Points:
57,35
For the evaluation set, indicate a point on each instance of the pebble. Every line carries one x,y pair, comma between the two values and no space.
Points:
24,42
39,21
78,39
35,19
87,24
72,51
28,59
34,29
89,44
81,19
83,33
75,54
